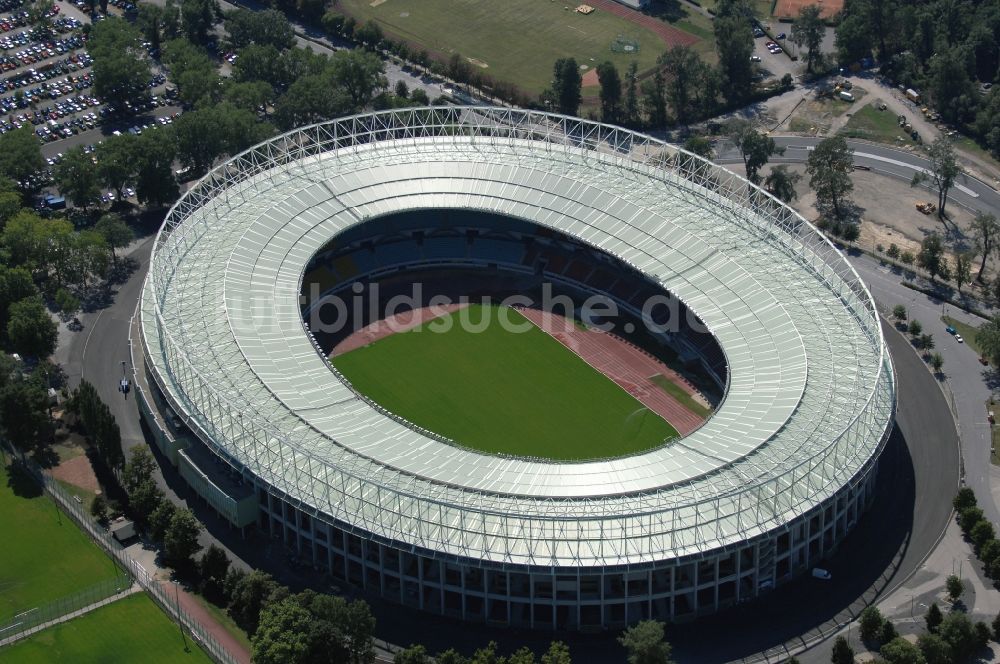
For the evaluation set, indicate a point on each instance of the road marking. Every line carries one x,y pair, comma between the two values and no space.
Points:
867,155
86,343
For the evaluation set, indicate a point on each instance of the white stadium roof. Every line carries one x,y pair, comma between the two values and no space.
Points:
810,392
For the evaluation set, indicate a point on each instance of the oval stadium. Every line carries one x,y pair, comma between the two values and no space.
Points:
699,423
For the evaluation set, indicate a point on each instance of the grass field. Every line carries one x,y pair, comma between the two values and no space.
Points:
130,630
874,125
44,556
968,332
516,40
502,392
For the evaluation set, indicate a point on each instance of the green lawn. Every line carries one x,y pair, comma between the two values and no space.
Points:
44,556
225,621
874,125
130,630
500,391
515,40
968,332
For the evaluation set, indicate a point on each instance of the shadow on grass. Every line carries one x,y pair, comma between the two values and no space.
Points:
21,482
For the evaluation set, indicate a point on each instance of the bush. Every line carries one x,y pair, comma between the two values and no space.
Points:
907,258
933,618
982,533
955,587
983,634
870,623
968,518
964,499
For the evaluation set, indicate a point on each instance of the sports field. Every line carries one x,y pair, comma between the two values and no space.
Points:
499,391
516,40
44,556
132,629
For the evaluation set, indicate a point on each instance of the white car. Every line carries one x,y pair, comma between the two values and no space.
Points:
820,573
959,339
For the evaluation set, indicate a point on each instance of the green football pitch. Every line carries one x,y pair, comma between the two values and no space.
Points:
44,555
502,391
132,629
513,40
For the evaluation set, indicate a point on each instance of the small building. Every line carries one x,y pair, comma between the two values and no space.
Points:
122,529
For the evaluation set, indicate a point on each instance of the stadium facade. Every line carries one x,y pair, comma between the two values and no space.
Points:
239,394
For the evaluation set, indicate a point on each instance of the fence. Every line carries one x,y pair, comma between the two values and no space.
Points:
98,594
166,599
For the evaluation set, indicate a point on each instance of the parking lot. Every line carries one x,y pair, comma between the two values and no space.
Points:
45,84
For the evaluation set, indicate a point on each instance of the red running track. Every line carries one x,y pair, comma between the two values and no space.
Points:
668,33
625,364
400,322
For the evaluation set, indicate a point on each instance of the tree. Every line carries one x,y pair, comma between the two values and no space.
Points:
154,180
870,625
415,654
943,171
213,566
931,256
117,159
926,342
781,183
893,251
359,74
654,101
611,92
566,86
30,328
143,501
253,96
121,69
937,362
734,43
249,595
76,177
197,19
808,30
985,231
20,154
180,542
115,232
68,303
754,147
283,634
963,268
989,552
933,617
685,73
934,649
988,338
24,414
270,26
969,517
954,587
149,20
645,643
982,533
631,110
899,312
901,651
159,519
558,653
370,34
842,652
829,166
996,627
139,469
957,631
99,508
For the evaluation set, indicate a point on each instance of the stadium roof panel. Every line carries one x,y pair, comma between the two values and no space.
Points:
810,390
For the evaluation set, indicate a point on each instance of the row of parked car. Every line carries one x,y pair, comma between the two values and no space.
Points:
53,89
24,37
75,62
37,52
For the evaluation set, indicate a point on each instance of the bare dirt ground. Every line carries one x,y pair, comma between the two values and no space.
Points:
889,214
77,471
400,322
629,367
